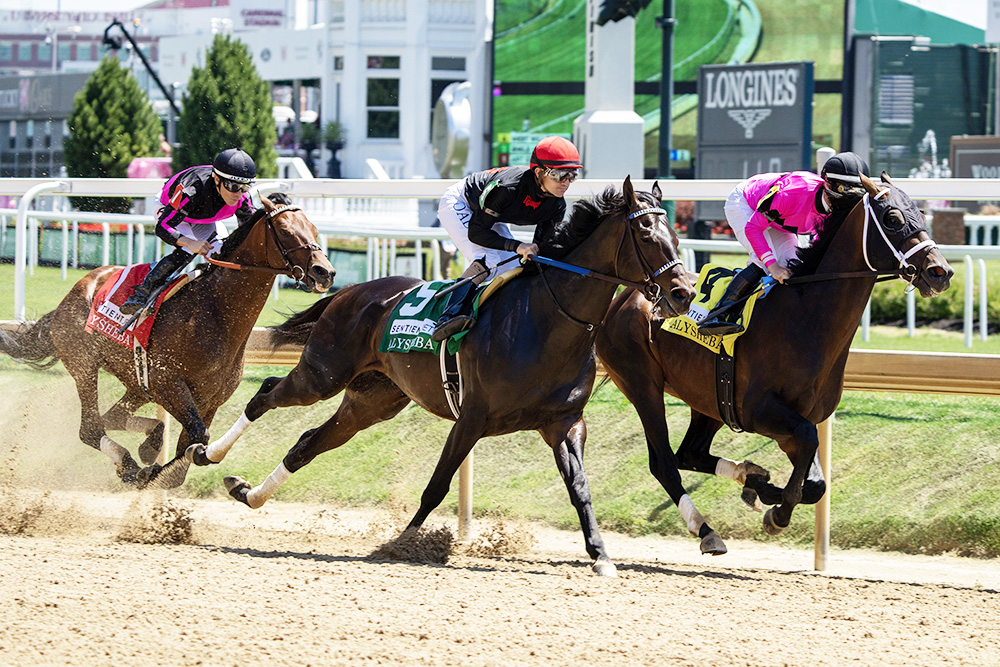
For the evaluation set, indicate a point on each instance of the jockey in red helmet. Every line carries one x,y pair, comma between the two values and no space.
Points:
476,212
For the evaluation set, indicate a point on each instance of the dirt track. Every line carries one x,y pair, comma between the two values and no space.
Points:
294,584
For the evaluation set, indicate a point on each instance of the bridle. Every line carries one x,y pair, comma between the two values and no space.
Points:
293,271
905,268
652,291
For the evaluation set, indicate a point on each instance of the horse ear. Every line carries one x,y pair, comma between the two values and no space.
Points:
885,177
656,192
869,185
627,190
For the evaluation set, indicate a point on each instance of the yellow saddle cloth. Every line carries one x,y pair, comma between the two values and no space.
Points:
711,285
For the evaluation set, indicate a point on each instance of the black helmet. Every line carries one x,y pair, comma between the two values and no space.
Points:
233,164
842,172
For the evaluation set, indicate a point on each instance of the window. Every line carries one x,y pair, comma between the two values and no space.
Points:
338,63
437,87
383,62
45,52
383,108
6,51
448,64
24,52
63,52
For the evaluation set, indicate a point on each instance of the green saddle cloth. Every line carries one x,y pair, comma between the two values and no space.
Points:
414,317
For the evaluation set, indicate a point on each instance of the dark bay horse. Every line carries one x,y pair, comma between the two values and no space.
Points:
789,363
528,363
195,352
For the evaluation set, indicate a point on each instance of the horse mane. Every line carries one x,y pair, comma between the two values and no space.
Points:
807,259
233,241
556,240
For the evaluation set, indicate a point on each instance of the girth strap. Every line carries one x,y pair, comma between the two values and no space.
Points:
725,390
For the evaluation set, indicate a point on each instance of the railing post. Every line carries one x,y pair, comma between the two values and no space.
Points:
465,498
983,323
969,284
21,238
821,537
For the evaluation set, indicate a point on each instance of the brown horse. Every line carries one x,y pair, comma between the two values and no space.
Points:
789,363
195,352
528,363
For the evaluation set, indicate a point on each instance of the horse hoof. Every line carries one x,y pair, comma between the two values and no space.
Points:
237,487
713,544
148,453
751,468
168,476
749,496
605,568
770,527
196,454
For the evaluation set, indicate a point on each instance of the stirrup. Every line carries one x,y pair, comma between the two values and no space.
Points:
450,327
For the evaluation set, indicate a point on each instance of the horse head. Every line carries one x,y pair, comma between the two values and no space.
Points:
656,250
899,227
289,242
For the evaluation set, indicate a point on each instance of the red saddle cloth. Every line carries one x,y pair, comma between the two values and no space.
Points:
107,319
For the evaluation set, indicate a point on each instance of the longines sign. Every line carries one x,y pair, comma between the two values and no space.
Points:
752,119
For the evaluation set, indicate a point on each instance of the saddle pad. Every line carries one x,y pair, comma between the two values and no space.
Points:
711,285
412,320
105,317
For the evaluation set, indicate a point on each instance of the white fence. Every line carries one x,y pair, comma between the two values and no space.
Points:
385,211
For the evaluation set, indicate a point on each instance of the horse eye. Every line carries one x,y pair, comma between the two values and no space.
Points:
894,220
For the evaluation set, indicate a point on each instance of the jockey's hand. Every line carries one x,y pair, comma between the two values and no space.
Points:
195,246
779,272
526,250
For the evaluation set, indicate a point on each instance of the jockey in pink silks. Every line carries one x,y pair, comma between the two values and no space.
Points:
768,212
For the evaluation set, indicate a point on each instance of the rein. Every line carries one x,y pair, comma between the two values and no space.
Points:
649,288
292,271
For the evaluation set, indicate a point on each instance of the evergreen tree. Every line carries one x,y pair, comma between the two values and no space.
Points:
112,123
227,105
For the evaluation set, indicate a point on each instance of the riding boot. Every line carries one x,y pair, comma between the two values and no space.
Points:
457,317
739,286
158,275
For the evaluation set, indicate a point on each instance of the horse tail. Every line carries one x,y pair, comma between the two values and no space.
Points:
296,329
31,343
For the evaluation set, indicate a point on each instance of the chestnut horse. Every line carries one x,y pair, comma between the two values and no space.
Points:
789,372
195,352
528,363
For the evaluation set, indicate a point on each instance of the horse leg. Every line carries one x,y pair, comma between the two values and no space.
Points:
461,439
314,378
567,439
370,398
797,437
121,417
694,454
181,405
92,431
815,484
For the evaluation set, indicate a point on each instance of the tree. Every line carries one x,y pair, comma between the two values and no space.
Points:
227,105
112,123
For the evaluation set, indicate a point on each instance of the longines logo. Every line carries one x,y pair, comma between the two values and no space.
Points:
748,119
750,95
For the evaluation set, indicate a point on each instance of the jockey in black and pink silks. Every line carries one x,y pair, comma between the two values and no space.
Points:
193,201
769,212
477,210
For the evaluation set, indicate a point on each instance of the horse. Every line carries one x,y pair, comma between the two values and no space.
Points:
789,363
527,364
195,350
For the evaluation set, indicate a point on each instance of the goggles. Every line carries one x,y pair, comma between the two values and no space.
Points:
233,186
563,175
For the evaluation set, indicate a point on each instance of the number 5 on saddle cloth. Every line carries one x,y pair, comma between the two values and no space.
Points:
414,318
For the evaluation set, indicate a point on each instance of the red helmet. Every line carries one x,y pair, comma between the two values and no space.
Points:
556,153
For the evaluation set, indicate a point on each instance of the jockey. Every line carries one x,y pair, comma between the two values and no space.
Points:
193,200
476,212
766,213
